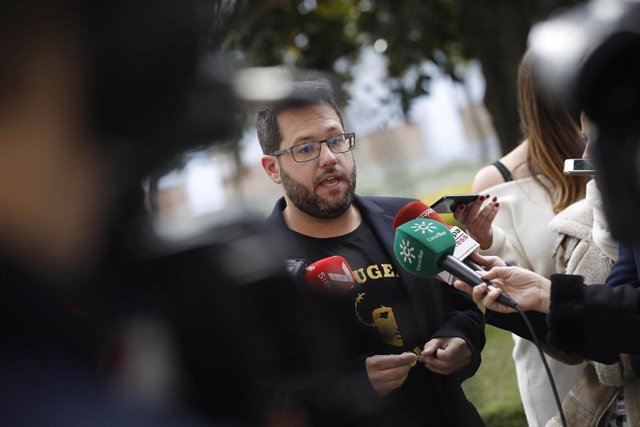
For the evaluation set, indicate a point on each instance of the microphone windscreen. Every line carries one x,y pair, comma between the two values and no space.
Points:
420,243
413,210
329,274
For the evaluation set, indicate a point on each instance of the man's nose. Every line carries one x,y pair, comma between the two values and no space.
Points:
327,157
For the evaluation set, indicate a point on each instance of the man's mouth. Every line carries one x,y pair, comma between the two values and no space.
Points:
329,181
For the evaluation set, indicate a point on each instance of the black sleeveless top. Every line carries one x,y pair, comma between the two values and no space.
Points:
506,175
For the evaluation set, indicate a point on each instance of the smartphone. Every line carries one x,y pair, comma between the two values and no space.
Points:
578,167
450,202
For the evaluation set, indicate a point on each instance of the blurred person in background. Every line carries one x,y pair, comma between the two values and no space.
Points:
528,189
307,152
586,248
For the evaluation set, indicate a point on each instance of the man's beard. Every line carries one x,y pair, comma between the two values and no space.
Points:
311,204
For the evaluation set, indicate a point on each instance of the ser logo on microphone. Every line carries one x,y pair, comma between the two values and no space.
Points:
322,276
330,273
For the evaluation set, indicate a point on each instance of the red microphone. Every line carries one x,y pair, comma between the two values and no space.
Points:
414,210
465,245
330,274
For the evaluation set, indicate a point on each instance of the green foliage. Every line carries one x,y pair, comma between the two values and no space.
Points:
289,33
327,35
494,390
505,417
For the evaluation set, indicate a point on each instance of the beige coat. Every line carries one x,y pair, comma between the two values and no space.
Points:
599,385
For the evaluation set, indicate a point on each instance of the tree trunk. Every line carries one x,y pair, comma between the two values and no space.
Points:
497,37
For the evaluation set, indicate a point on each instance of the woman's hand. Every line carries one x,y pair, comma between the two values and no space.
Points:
530,290
478,219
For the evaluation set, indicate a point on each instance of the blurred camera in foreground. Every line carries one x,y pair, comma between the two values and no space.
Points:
101,321
590,55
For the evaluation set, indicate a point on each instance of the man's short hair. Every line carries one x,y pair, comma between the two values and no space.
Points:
301,94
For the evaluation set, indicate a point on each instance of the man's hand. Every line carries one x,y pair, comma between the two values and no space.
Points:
449,354
389,371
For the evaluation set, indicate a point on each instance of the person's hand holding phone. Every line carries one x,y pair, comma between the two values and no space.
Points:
450,202
477,218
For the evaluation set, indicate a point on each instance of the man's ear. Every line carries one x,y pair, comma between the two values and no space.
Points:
272,168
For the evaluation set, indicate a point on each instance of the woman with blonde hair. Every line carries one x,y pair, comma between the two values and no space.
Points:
529,189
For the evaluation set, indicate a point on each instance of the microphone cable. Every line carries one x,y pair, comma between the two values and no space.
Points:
511,303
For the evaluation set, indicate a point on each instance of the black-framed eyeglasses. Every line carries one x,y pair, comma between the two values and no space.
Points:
311,150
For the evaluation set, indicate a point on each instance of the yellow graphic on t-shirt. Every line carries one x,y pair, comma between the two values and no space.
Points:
383,320
373,272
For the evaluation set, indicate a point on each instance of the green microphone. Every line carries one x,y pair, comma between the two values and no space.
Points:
419,243
424,247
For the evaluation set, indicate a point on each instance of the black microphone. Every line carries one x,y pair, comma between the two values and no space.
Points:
296,268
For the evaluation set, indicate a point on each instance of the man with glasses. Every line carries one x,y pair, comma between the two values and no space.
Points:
308,152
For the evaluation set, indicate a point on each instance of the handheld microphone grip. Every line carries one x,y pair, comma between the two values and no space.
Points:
504,298
472,265
466,274
462,272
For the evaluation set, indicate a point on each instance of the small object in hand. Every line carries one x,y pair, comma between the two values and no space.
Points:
425,358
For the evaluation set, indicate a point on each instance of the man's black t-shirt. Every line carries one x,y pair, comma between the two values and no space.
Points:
379,302
381,312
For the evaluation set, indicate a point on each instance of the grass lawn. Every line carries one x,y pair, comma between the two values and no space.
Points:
493,390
